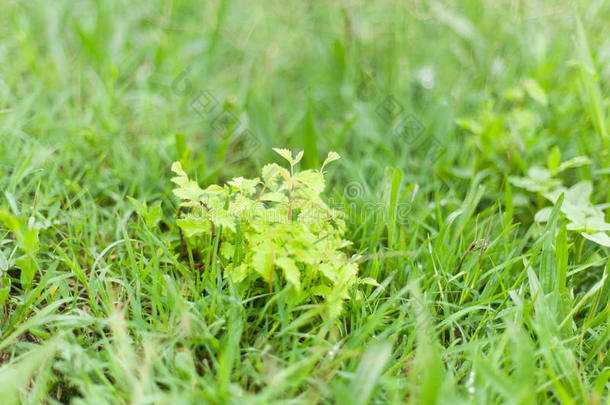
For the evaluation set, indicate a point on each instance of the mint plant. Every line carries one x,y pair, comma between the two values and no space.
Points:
273,230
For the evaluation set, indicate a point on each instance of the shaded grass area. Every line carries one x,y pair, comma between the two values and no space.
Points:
479,303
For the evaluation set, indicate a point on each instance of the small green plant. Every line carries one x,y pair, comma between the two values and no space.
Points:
582,215
276,229
27,242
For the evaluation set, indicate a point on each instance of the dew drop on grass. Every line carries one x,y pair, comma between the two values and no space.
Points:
426,76
498,67
470,383
333,352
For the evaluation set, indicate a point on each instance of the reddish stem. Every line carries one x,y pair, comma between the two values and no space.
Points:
291,192
271,269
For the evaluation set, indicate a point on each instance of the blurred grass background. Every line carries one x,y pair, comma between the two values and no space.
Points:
101,82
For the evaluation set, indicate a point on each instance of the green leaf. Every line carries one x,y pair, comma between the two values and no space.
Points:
553,160
140,206
579,194
151,216
192,225
227,250
286,154
177,168
180,144
3,263
538,180
574,162
154,215
222,218
5,290
347,274
28,241
596,223
187,189
394,188
215,189
262,261
313,180
271,175
258,240
332,156
298,158
543,214
291,271
275,197
535,91
370,281
28,269
329,271
240,273
246,186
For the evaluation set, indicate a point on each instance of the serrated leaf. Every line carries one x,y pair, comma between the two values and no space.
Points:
347,273
246,186
222,218
332,156
177,168
262,261
192,225
187,189
227,249
298,158
329,271
286,154
291,271
341,243
240,273
215,189
272,174
313,180
267,242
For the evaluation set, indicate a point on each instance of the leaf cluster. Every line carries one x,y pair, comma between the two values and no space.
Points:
582,215
273,230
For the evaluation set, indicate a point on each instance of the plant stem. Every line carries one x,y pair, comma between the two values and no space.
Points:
291,192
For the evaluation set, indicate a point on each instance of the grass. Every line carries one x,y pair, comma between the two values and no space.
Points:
433,106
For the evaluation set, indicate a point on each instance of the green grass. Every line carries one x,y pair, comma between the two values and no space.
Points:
478,303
